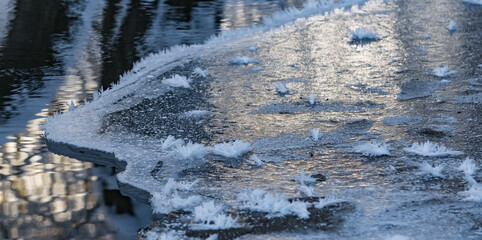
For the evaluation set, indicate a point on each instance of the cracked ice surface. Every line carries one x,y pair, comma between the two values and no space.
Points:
362,96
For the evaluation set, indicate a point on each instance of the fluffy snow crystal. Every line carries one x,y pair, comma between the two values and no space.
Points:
177,81
315,134
442,71
452,26
373,149
276,205
202,73
304,178
170,142
210,216
281,88
169,200
468,167
190,151
434,171
71,105
255,161
363,34
431,149
307,190
231,149
243,60
312,99
323,202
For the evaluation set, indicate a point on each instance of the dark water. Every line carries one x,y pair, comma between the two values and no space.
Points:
53,52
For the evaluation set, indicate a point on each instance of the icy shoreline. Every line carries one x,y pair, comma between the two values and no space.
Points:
230,128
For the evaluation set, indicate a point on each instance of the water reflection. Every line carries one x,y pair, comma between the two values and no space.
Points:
56,51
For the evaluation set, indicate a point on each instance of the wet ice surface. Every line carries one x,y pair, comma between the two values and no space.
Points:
363,96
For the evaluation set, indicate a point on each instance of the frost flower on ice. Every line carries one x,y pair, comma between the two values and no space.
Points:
170,142
177,81
307,190
474,193
468,167
169,200
431,149
281,88
202,73
210,216
275,205
434,171
255,161
190,151
312,99
442,71
304,178
315,134
452,26
243,60
363,34
326,201
373,149
231,149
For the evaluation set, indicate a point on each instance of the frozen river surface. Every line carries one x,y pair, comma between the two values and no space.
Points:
335,121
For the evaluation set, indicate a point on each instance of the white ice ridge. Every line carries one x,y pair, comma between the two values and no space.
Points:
169,200
442,71
177,81
373,149
434,171
363,34
275,205
431,149
232,149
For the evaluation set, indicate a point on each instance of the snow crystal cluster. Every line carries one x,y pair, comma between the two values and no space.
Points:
434,171
304,178
363,34
452,25
315,134
281,88
430,149
232,149
312,99
169,199
442,71
373,149
177,81
275,205
255,161
211,216
474,192
199,72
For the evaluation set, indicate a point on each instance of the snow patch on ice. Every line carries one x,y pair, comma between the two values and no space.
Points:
363,34
232,149
442,71
177,81
243,60
431,149
373,149
275,205
434,171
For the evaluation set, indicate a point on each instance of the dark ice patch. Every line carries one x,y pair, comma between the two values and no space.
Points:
415,88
